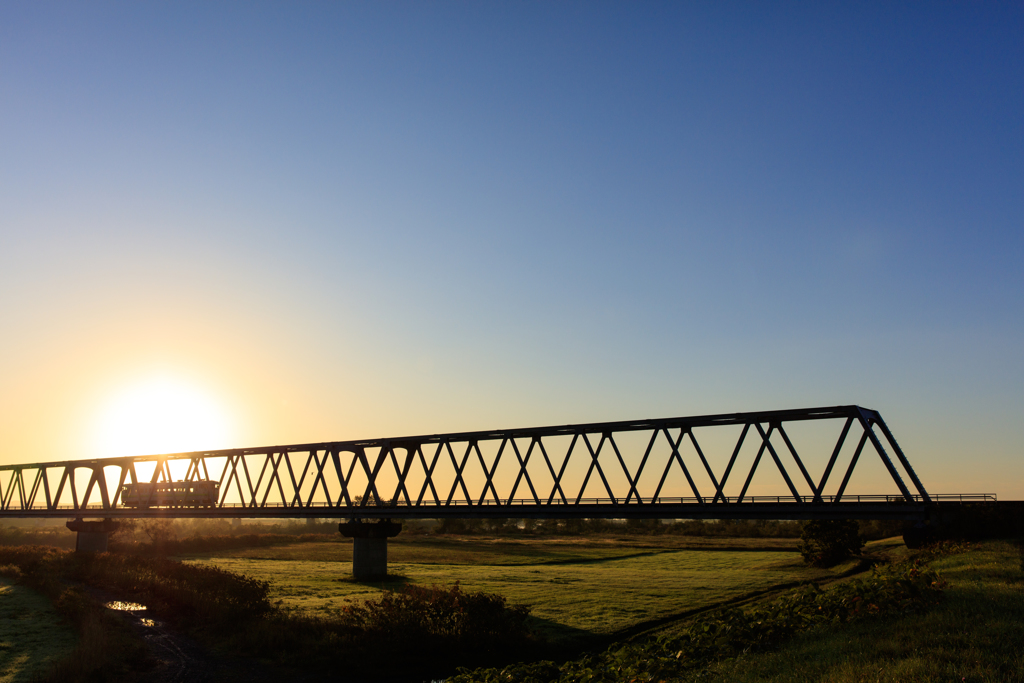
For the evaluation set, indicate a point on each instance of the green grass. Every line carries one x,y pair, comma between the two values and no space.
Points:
576,587
975,634
32,634
684,653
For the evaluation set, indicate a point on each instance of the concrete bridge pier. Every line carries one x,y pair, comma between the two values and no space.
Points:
92,536
369,546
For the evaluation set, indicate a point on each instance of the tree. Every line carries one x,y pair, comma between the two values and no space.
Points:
825,542
159,531
125,532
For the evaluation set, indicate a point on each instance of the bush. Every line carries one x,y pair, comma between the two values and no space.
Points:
826,542
440,617
434,629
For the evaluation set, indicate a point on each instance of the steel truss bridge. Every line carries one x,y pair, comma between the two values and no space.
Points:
686,467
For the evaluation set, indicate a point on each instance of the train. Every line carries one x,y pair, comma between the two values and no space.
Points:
171,494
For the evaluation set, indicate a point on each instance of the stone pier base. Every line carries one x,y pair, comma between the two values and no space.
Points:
92,536
369,546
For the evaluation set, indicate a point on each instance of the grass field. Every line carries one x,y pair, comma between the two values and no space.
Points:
577,587
32,634
976,633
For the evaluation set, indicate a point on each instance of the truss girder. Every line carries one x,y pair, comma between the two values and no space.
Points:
613,469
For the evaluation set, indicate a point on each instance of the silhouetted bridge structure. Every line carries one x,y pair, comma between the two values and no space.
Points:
686,467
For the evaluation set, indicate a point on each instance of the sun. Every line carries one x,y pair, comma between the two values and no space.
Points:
162,415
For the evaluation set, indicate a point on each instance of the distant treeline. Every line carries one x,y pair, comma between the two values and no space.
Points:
178,536
168,545
55,536
721,528
186,536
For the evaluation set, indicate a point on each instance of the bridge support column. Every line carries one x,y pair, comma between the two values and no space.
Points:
92,536
369,546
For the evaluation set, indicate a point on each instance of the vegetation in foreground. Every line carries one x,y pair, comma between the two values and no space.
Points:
829,634
435,628
237,610
975,632
447,627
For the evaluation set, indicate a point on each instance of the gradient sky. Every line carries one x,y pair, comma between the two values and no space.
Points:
349,220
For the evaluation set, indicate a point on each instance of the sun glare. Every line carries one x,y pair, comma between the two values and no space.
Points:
162,416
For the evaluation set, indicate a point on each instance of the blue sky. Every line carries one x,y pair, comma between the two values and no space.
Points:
352,220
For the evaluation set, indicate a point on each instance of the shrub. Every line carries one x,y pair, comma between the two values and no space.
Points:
441,617
826,542
435,629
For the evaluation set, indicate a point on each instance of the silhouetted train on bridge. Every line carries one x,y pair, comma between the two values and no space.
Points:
171,494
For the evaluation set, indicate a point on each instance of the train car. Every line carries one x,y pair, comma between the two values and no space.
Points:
188,494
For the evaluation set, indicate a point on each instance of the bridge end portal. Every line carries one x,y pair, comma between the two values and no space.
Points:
93,537
369,546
